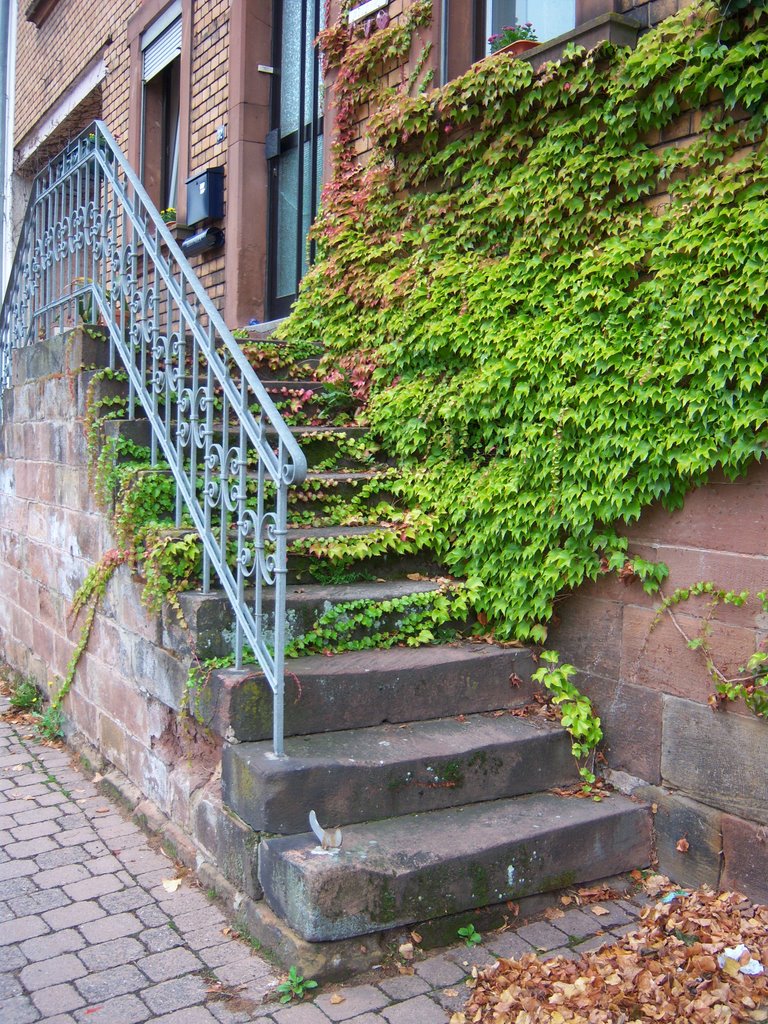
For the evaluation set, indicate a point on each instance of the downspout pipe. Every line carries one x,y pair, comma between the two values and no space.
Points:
5,129
444,12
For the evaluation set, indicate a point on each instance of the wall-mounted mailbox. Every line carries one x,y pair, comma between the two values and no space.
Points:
205,196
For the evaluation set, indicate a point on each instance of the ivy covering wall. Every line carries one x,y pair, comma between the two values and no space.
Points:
554,349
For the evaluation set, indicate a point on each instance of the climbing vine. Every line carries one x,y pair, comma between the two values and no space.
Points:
576,714
563,316
413,620
751,682
87,597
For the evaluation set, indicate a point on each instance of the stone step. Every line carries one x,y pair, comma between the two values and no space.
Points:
404,870
358,689
302,566
318,443
390,770
210,618
324,489
303,368
263,331
277,386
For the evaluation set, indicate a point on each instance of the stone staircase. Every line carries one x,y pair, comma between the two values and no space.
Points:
422,756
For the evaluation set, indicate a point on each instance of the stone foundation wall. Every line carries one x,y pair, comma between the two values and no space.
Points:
130,683
706,770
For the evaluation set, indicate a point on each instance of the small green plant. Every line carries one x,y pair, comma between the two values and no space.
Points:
471,936
26,696
50,723
169,215
295,986
576,713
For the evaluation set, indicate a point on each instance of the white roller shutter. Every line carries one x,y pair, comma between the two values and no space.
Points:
161,43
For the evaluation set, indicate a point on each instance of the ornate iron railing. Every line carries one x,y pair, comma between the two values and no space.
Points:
94,248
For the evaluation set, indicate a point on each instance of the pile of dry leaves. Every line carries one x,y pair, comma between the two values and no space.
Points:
674,967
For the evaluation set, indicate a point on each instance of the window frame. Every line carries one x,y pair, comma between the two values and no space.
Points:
151,12
465,28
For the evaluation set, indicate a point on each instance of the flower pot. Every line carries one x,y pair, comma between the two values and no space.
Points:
519,46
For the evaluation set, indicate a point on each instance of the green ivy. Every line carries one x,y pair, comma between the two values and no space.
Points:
414,620
751,683
553,347
576,713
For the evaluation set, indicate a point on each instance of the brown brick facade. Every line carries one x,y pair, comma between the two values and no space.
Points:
80,40
92,51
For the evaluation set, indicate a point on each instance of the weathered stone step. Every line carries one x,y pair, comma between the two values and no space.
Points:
277,386
404,870
367,688
387,565
318,443
391,770
322,444
210,618
322,489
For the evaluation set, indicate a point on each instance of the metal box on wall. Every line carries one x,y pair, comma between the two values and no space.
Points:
205,195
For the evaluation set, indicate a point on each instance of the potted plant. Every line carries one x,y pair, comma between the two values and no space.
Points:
169,216
514,38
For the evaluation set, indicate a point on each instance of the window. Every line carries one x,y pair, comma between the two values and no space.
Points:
549,18
467,24
161,110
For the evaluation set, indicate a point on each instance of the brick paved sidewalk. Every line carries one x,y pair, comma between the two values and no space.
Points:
89,934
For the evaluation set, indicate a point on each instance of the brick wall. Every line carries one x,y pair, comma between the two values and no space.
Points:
208,111
646,12
50,59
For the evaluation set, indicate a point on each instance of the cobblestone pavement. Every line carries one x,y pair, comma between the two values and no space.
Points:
89,934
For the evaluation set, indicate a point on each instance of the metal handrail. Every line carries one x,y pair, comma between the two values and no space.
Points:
94,248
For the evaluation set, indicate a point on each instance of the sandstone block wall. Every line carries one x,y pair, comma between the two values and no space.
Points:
706,770
128,688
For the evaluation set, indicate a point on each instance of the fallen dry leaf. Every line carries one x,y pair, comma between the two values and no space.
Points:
171,884
405,969
655,884
416,938
336,999
599,911
406,951
682,845
666,971
553,913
